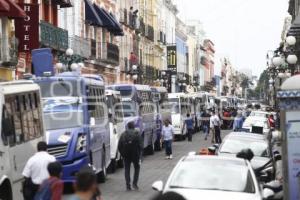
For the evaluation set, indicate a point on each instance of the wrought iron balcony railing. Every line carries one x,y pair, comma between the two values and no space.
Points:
81,46
108,53
53,37
8,51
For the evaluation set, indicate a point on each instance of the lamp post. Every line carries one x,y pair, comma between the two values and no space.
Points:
69,62
135,73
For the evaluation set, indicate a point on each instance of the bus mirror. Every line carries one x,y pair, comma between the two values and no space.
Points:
92,121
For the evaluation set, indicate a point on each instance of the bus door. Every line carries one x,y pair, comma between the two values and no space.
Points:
100,138
23,115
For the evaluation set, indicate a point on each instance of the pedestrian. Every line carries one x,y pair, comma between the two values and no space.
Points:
212,128
167,137
52,188
189,125
238,122
131,147
216,122
86,185
205,123
271,122
35,171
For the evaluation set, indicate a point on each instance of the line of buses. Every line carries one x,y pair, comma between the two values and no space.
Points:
81,120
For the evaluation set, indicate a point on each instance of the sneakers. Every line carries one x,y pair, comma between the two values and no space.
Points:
170,157
128,188
167,157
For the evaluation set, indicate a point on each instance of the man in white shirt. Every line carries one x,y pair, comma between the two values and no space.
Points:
216,122
35,171
167,136
212,127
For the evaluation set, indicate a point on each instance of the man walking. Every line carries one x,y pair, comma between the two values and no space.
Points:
189,124
35,171
167,136
205,123
217,127
131,147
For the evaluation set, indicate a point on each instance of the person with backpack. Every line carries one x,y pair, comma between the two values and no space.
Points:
131,147
35,171
52,188
189,124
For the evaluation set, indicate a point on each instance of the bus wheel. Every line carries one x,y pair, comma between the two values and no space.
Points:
6,191
102,175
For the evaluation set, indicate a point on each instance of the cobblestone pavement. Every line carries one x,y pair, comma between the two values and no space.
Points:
153,168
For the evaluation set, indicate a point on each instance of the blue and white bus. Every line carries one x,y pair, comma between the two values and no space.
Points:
76,122
138,107
162,111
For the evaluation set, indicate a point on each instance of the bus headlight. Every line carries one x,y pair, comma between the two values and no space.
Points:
81,143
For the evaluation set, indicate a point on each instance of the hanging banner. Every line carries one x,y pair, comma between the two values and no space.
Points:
27,29
172,58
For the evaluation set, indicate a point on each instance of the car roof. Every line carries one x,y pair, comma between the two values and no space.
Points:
245,136
220,158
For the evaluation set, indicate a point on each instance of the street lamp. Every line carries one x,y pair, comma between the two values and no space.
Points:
292,59
134,67
69,52
277,61
59,66
135,77
128,76
281,75
291,40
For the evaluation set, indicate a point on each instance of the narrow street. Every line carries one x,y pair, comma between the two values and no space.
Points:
153,168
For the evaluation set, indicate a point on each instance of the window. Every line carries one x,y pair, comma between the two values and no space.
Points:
25,114
96,100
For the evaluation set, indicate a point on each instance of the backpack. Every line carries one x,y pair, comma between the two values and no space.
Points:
45,192
130,145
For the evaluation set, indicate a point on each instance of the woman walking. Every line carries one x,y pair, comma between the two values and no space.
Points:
167,137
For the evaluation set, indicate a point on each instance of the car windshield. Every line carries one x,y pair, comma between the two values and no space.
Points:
60,88
68,109
129,109
233,146
213,175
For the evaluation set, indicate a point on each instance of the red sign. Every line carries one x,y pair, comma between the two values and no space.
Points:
27,29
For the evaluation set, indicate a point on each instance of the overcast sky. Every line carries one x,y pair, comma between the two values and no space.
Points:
243,30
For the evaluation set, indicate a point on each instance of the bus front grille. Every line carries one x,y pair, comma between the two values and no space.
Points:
58,150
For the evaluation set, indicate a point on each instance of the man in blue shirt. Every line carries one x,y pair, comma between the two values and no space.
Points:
189,124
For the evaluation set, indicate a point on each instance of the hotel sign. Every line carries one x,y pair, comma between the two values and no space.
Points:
172,58
27,29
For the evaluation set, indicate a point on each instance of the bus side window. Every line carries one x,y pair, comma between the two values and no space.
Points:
8,129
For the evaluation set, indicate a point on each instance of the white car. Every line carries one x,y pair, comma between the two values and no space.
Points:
257,118
212,178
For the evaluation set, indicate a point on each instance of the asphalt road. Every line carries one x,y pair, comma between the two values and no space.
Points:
153,168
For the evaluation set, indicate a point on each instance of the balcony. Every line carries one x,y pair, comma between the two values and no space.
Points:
53,37
142,28
124,16
8,51
81,46
108,53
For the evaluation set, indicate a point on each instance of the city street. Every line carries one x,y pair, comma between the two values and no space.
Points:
153,168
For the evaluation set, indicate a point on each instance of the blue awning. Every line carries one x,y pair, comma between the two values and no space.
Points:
108,20
91,16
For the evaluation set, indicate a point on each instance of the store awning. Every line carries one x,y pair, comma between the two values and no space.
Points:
119,28
108,20
14,11
91,16
4,6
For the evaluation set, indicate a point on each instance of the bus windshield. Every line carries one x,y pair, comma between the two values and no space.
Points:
60,88
68,109
174,103
129,109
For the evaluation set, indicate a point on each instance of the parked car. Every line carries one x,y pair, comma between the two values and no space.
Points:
212,178
257,119
237,141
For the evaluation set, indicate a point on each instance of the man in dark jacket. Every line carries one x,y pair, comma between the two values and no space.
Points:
130,147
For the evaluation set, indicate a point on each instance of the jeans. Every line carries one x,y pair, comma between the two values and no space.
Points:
127,165
205,130
168,147
218,139
190,134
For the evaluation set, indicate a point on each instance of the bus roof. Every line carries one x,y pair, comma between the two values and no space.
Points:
12,87
136,86
88,78
161,89
176,95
